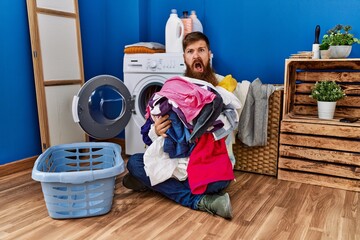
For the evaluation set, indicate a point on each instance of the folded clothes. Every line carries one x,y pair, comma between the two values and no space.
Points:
150,45
145,47
130,50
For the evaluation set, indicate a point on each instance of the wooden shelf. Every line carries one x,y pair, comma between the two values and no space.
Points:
312,150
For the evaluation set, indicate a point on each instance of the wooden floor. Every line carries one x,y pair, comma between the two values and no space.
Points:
264,208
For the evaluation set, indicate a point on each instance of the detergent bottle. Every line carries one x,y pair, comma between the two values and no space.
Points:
196,24
174,33
187,21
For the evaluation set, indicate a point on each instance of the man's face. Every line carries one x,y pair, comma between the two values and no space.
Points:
197,58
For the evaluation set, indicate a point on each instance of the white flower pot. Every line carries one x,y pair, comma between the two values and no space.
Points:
325,54
326,110
340,51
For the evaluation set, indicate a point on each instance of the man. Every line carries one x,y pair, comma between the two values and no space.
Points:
197,56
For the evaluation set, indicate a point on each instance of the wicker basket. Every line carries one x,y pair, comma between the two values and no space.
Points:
263,159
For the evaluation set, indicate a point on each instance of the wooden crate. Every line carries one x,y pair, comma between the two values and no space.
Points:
312,150
301,75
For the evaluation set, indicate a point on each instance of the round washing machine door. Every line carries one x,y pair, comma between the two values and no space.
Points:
103,107
142,92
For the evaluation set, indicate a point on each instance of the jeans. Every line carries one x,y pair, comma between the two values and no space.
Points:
178,191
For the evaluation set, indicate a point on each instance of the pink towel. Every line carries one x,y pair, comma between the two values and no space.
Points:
209,162
189,97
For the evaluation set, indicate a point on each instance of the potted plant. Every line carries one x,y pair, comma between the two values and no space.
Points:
327,93
339,41
324,50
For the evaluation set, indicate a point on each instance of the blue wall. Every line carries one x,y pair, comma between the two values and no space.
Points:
252,38
249,39
19,128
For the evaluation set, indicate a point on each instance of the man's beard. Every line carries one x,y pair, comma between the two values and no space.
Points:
207,75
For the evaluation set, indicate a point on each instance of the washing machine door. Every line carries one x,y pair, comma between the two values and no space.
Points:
103,107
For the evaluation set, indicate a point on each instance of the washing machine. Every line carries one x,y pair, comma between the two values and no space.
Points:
145,74
105,105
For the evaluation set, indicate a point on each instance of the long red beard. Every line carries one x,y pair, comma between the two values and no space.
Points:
208,75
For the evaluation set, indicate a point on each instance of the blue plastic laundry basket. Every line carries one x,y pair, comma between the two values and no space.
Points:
78,179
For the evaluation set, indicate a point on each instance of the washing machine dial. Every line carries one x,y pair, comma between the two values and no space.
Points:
153,64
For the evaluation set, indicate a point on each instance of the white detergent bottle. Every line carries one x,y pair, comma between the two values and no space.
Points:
197,26
174,33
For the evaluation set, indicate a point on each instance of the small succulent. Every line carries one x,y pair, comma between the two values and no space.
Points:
327,91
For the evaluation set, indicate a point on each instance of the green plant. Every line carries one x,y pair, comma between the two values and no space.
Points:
327,91
339,35
324,46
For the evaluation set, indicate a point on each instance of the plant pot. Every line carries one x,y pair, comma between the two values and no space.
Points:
325,54
340,51
326,110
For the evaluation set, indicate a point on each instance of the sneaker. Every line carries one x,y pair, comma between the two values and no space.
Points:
130,182
216,204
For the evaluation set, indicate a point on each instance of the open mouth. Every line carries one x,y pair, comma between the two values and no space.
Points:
198,66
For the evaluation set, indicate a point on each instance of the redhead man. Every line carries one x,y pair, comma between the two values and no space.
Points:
197,57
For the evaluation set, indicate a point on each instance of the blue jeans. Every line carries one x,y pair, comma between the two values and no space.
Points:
176,190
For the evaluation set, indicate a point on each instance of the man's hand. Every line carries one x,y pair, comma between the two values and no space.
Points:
162,124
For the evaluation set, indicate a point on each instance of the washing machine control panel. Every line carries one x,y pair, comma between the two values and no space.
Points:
158,62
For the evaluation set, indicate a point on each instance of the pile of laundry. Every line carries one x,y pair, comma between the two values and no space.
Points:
202,116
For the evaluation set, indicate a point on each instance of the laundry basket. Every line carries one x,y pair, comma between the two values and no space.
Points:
263,159
78,179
